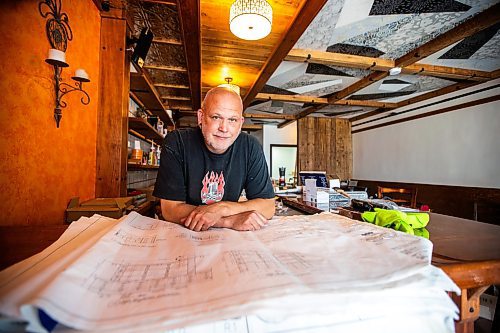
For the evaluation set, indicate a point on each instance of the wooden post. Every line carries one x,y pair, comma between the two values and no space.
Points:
112,125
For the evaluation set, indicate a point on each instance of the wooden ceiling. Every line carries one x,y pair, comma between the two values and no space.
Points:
194,50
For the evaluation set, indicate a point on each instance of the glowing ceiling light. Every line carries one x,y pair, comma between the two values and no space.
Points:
251,19
230,86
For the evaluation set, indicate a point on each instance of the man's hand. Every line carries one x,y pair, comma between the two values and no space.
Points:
203,217
245,221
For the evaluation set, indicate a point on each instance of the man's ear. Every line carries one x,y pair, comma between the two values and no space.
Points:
200,116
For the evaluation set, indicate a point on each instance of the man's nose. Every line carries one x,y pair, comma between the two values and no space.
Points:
223,125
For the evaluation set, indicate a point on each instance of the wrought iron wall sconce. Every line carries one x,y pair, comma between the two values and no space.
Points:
57,59
58,33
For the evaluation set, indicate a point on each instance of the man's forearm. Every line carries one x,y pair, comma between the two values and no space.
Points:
265,207
175,211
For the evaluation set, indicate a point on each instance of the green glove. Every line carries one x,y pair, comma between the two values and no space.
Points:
412,223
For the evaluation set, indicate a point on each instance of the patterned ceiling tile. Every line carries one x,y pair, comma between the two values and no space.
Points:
365,51
268,89
324,69
490,50
470,45
316,35
394,81
162,19
168,77
390,7
379,96
166,55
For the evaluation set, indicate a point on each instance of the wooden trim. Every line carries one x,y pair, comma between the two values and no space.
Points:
112,124
168,85
163,2
471,26
295,29
429,95
379,64
190,22
339,59
166,68
177,98
170,41
322,100
268,116
432,113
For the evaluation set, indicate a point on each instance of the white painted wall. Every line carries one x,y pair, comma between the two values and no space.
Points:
274,135
460,147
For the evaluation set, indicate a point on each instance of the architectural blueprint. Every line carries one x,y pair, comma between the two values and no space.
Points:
141,272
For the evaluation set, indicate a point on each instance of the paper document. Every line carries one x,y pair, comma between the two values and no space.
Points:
106,274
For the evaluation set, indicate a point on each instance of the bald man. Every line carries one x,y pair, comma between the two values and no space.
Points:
203,171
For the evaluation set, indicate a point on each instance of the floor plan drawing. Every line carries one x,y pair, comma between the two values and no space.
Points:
127,278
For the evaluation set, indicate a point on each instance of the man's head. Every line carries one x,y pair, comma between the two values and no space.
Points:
220,118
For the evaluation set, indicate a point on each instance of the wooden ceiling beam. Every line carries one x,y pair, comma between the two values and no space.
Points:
177,98
171,85
419,98
166,68
468,28
322,100
478,22
162,2
171,41
295,29
379,64
268,116
339,59
190,22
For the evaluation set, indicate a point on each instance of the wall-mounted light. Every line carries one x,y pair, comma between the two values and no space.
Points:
57,59
230,86
395,71
250,19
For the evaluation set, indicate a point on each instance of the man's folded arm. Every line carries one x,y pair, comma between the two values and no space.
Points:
176,211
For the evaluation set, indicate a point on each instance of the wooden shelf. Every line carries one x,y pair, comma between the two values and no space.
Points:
142,127
133,166
142,89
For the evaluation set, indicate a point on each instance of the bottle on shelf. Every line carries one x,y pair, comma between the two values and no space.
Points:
151,157
137,153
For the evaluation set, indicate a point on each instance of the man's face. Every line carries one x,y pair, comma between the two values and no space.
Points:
221,121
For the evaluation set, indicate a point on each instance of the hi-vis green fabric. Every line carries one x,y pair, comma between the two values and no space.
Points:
411,223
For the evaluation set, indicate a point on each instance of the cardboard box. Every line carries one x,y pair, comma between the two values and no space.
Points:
110,207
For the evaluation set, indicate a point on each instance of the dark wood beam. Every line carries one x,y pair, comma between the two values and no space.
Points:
163,2
379,64
296,28
322,100
166,68
170,41
189,17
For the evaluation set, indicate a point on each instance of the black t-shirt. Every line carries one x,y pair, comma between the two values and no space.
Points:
191,173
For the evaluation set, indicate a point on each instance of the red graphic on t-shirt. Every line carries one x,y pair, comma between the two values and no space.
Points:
213,188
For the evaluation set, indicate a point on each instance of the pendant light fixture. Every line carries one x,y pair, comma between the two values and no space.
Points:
251,19
229,85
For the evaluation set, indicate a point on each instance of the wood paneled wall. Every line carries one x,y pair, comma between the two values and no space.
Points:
475,203
112,124
325,145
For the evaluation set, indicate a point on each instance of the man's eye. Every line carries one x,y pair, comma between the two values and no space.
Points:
233,120
215,118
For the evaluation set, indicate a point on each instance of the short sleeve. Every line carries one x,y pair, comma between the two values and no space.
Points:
170,184
258,183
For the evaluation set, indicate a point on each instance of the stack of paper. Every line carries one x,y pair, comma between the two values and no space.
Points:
318,273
